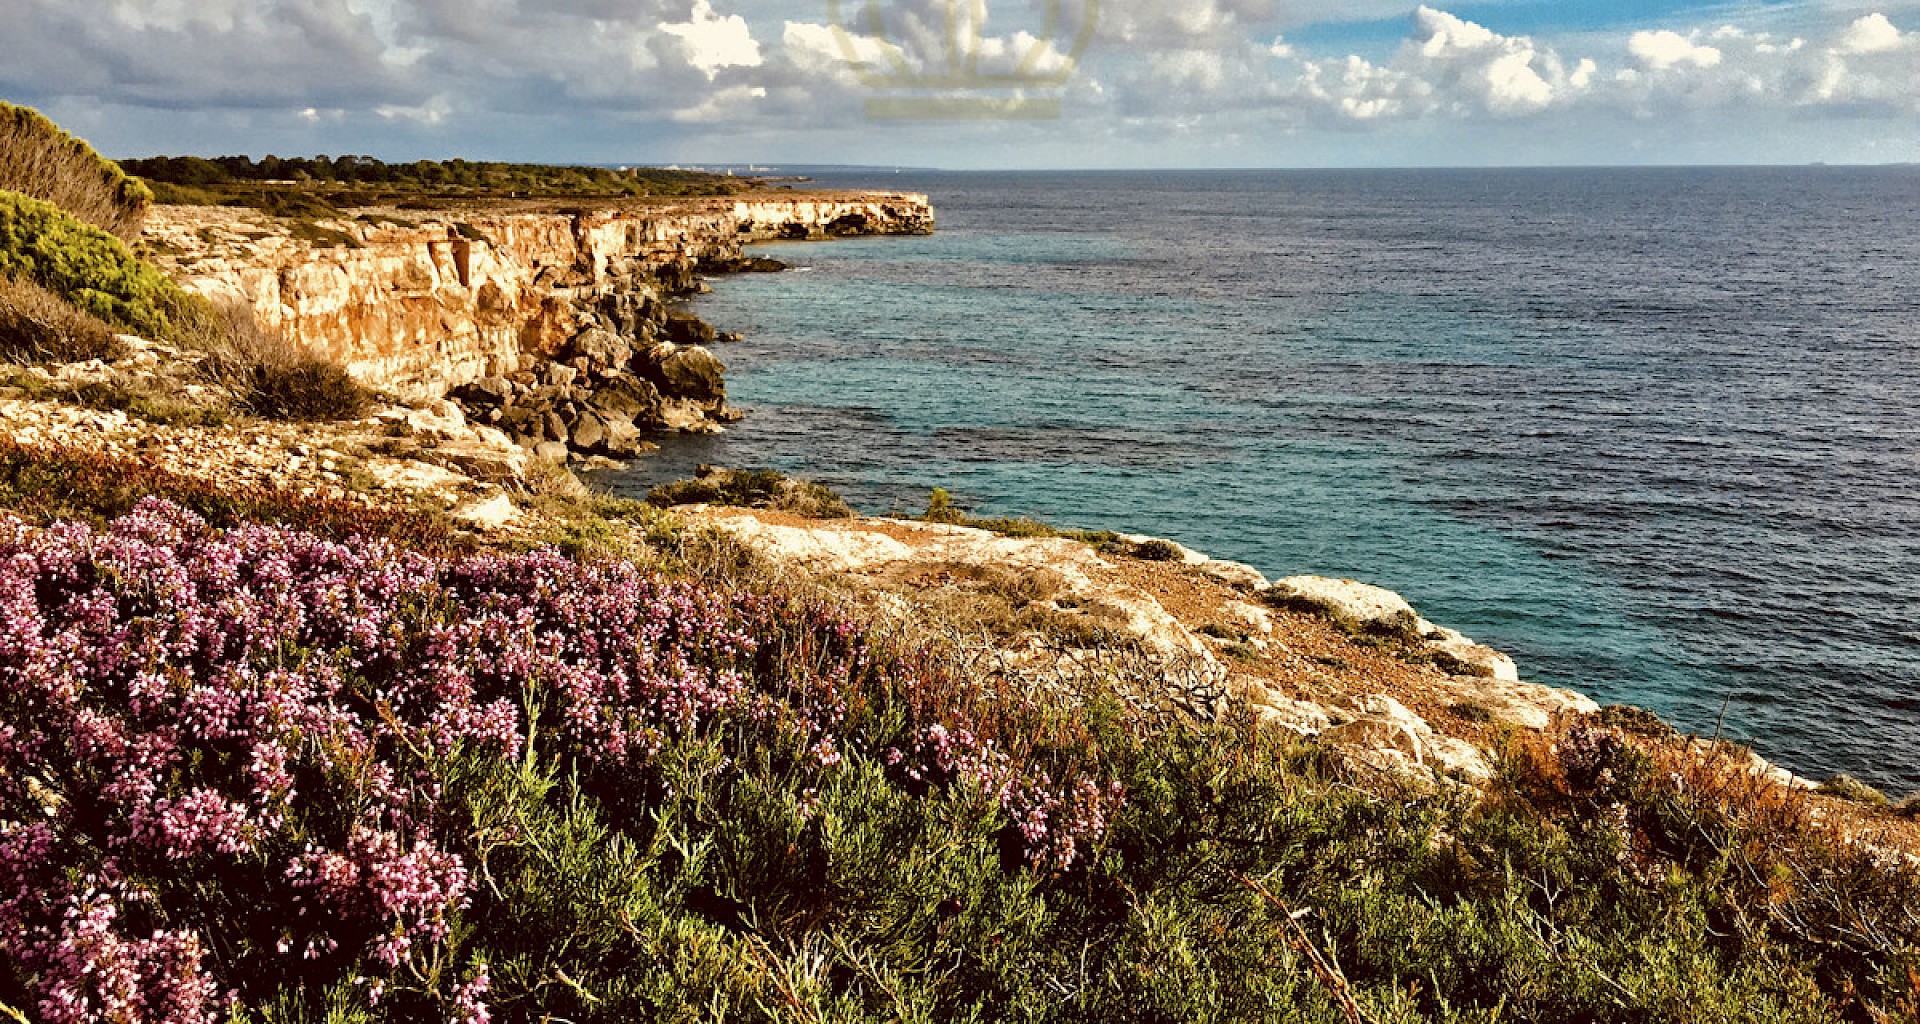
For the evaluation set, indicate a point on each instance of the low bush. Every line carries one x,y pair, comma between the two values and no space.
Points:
152,399
270,376
340,782
37,326
40,160
44,483
1846,787
1157,551
941,509
87,267
752,489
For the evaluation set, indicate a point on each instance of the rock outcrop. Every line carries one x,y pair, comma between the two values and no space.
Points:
1336,662
554,326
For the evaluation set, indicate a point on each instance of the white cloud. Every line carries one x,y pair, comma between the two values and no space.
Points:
712,42
1871,34
1665,49
1196,69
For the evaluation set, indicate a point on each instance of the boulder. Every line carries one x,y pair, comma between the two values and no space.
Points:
560,374
634,398
689,372
589,432
489,513
1299,718
1387,734
1351,603
555,427
684,328
1379,735
1457,655
488,391
623,439
602,348
553,451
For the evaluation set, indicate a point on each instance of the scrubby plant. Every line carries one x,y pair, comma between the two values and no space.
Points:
363,745
1846,787
279,778
40,160
48,482
1156,550
37,326
269,375
87,267
752,489
941,509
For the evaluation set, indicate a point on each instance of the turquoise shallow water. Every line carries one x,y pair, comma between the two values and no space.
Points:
1650,431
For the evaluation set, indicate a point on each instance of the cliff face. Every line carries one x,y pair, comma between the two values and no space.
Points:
420,303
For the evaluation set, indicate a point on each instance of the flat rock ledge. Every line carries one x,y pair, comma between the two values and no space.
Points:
1293,653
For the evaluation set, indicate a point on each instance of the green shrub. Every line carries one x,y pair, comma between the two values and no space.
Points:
941,509
37,326
1846,787
88,267
752,489
39,160
272,377
1157,551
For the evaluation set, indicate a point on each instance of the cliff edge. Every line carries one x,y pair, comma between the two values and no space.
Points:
555,325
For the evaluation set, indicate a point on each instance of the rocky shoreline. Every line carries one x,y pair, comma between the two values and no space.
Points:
559,328
522,335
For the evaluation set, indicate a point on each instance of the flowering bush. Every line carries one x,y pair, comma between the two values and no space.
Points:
50,481
268,777
272,712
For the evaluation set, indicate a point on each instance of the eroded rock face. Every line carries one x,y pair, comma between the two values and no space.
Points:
418,304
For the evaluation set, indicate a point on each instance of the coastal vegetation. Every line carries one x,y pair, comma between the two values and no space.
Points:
41,161
39,326
267,375
765,488
321,186
86,266
69,281
258,773
277,756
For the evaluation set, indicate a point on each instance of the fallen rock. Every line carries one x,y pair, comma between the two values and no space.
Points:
489,513
602,347
1378,734
1349,602
684,328
688,372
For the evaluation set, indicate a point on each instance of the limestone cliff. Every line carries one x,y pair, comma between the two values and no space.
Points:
419,303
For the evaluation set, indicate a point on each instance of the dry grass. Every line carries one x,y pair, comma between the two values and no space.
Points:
270,376
37,326
39,160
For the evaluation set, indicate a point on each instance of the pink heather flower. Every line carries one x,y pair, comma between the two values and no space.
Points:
168,687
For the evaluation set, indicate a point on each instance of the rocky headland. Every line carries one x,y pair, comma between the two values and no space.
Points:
511,337
555,326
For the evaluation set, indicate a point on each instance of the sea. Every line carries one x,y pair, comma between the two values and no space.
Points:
1653,432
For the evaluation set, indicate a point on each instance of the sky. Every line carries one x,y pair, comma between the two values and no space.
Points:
1097,83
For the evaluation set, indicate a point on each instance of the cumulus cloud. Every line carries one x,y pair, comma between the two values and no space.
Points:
447,65
711,42
1664,49
1450,67
1871,34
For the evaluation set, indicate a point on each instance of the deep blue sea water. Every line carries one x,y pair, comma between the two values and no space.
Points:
1653,432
